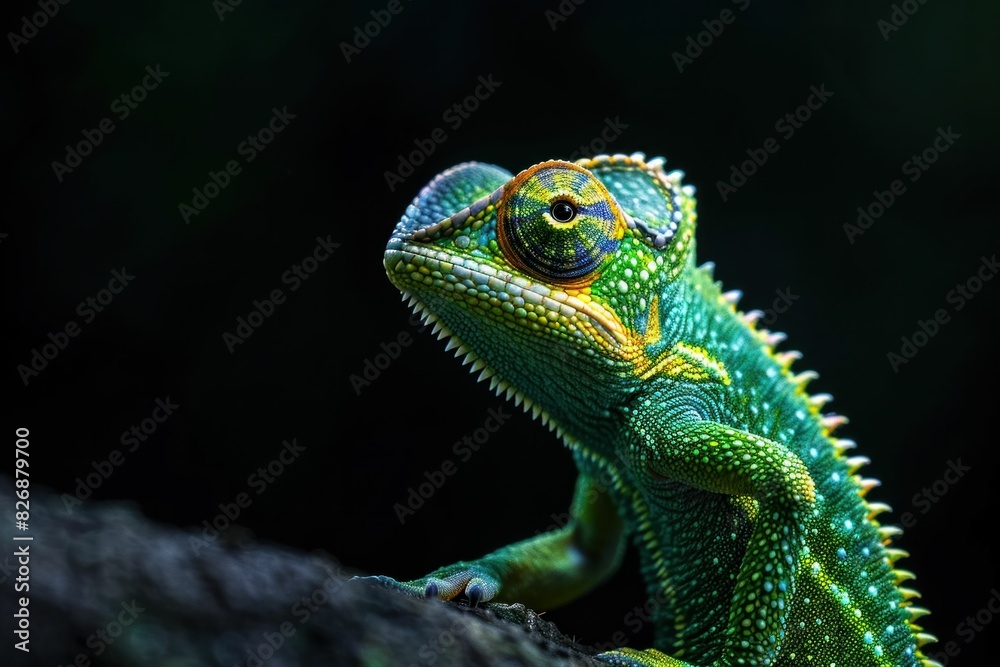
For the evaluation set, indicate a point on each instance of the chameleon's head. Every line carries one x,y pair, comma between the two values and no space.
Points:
551,280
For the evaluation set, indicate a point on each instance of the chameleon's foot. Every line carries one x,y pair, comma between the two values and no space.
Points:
475,582
629,657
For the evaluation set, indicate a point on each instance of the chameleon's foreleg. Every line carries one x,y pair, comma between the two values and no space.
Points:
544,571
717,458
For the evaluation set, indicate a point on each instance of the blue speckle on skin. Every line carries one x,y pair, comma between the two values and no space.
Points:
842,553
868,639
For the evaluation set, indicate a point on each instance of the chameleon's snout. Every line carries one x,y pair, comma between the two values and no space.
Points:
440,207
391,259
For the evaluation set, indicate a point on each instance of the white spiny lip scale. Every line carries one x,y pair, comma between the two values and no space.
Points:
467,356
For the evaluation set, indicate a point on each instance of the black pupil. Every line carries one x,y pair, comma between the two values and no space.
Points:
562,211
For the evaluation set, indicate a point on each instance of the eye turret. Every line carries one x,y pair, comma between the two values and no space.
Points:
557,222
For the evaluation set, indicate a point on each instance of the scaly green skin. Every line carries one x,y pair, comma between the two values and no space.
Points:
573,287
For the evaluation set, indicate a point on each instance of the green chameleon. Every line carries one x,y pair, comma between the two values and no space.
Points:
573,288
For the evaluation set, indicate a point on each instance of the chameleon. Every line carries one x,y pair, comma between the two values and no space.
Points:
573,288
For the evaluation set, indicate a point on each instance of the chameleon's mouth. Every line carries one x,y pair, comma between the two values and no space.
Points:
394,248
393,255
421,267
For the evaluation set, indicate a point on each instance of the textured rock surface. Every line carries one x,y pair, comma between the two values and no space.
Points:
110,586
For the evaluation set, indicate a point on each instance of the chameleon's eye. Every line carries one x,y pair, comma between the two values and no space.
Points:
556,221
562,211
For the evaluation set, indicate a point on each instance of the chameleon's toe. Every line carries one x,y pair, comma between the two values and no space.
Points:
629,657
477,585
480,590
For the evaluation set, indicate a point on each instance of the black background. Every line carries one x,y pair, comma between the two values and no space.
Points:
325,175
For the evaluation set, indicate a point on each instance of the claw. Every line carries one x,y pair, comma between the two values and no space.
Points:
475,593
431,591
480,590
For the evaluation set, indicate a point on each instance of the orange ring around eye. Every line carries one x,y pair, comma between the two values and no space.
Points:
606,208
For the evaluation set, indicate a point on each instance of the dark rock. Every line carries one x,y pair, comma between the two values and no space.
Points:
110,587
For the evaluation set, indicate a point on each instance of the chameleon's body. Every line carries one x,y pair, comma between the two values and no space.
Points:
574,288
